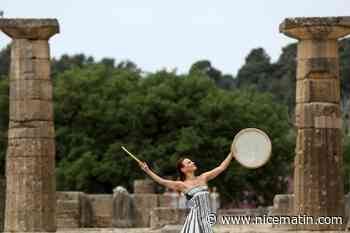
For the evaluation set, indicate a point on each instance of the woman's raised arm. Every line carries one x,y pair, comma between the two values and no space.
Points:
175,185
209,175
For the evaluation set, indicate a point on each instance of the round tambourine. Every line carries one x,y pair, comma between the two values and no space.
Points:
253,147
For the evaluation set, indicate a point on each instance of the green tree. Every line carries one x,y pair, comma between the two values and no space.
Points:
256,71
5,59
205,69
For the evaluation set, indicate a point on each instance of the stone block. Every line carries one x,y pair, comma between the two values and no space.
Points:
29,69
31,147
144,186
31,89
30,212
68,214
318,192
36,166
33,29
102,207
73,210
318,115
31,129
123,208
321,90
86,211
144,203
316,28
32,183
30,49
318,68
308,49
31,110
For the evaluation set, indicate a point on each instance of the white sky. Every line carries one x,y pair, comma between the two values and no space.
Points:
158,34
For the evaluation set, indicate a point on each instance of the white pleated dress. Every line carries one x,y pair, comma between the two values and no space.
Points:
198,202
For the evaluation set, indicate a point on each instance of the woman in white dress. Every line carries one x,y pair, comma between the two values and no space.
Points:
196,190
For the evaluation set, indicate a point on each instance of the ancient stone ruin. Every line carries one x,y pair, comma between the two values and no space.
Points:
31,201
318,165
122,208
30,161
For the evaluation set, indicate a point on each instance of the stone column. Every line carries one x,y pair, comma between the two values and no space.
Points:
30,161
318,171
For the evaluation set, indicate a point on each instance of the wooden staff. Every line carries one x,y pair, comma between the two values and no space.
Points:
132,156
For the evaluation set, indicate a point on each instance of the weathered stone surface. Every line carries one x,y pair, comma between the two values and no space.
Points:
102,206
313,90
73,210
318,165
162,216
68,209
31,110
314,49
318,115
31,147
35,29
32,89
144,186
86,211
35,183
30,163
316,27
318,174
30,49
123,213
144,203
30,212
318,68
27,69
31,129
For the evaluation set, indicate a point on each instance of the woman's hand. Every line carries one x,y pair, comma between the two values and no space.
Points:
144,166
234,152
175,185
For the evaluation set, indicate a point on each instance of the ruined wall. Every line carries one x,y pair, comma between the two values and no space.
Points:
68,210
102,208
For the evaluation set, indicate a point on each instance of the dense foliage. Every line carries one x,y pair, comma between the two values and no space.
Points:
160,116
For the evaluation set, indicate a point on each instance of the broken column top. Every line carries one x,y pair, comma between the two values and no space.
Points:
37,29
316,27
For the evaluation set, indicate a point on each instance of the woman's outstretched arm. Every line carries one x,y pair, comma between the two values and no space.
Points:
209,175
175,185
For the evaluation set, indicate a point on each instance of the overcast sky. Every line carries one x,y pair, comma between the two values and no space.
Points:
158,34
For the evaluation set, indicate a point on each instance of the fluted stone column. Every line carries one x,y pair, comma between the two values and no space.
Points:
30,161
318,172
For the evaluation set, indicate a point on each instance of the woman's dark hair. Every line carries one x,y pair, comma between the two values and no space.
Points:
180,165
